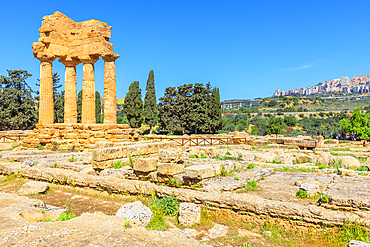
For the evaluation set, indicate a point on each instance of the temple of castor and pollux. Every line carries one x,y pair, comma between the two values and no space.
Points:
74,43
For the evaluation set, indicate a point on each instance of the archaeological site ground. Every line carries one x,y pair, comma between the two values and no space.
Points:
90,184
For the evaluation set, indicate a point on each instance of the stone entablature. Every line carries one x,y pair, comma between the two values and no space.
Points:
73,43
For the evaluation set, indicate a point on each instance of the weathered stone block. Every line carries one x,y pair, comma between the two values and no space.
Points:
171,156
114,131
170,169
189,214
108,153
135,213
98,134
70,136
199,172
145,164
33,187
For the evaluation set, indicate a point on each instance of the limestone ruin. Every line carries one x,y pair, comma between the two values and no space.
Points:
73,43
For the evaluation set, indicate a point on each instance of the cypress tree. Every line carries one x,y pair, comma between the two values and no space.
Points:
168,110
133,106
215,110
79,106
150,103
97,107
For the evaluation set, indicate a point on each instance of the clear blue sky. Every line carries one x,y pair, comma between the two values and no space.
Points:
246,48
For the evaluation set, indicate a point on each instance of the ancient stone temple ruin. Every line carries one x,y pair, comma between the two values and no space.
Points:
73,43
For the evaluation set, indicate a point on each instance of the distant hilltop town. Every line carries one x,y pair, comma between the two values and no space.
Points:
358,84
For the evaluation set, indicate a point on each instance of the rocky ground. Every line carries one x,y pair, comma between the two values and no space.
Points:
249,196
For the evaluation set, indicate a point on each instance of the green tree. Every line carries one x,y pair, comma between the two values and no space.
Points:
79,106
97,107
17,107
184,106
360,124
290,120
133,106
275,125
169,116
150,103
200,107
241,124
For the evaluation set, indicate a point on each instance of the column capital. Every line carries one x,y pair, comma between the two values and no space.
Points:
110,57
88,59
44,57
69,61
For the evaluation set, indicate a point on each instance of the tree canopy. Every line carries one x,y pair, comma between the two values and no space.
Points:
18,107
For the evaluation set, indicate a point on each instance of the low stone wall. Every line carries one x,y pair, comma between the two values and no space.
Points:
103,158
238,202
79,136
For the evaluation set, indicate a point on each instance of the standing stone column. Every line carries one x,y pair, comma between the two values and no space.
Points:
70,86
88,90
110,104
46,103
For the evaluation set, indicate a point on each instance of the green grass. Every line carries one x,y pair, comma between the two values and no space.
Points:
10,177
293,169
276,162
301,194
325,198
72,159
169,205
336,236
64,216
363,169
173,182
251,166
160,208
224,172
203,157
228,153
46,220
193,156
340,149
250,186
40,147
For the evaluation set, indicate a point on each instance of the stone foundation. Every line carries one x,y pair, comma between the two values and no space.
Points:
79,136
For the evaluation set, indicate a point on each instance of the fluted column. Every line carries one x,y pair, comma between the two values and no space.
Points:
70,86
110,104
88,90
46,103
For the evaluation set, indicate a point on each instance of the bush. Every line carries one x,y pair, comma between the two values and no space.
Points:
169,205
40,147
325,198
301,194
117,164
64,216
251,166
